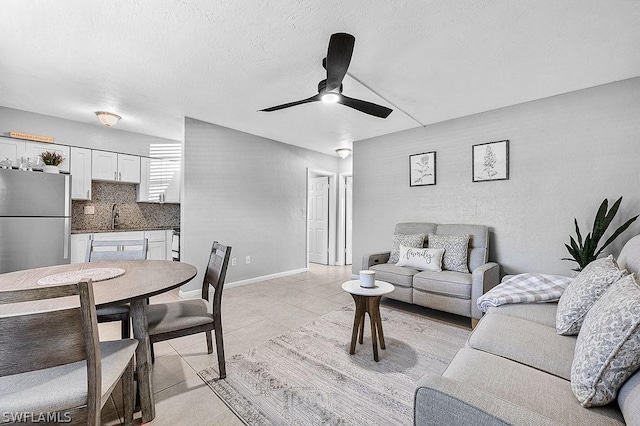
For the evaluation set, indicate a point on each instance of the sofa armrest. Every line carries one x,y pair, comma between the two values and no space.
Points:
485,277
371,259
442,401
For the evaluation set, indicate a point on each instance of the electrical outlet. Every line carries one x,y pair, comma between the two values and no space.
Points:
248,260
234,261
89,209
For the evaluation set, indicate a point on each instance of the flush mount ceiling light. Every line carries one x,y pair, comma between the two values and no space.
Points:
343,152
109,119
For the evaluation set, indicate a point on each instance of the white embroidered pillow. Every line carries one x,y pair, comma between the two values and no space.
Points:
585,289
409,240
423,259
606,353
455,251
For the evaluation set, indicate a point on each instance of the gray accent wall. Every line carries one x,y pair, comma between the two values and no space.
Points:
567,153
248,192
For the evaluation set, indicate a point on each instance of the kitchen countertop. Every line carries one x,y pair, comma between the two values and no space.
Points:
96,231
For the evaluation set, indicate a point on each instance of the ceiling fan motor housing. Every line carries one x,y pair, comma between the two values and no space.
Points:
322,86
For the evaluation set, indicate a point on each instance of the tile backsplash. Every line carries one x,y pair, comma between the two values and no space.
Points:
131,214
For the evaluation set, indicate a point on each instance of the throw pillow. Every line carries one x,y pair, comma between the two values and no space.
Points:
455,251
585,289
423,259
408,240
606,353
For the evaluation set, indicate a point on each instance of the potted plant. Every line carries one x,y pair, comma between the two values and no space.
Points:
585,251
51,160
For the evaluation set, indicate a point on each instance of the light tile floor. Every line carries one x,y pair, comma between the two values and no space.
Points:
251,315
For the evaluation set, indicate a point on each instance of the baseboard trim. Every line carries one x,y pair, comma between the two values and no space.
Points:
191,294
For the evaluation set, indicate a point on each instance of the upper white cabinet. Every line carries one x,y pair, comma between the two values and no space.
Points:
115,167
81,172
34,149
159,181
12,149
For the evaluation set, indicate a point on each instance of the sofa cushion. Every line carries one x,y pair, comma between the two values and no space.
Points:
629,257
478,253
540,313
407,240
629,400
396,275
585,289
526,342
423,259
607,347
532,389
448,283
455,251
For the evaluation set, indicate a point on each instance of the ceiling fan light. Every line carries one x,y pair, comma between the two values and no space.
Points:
109,119
330,97
343,152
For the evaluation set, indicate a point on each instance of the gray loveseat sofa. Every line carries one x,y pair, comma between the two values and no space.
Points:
516,370
447,291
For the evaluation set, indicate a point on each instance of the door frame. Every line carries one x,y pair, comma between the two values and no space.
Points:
342,186
311,173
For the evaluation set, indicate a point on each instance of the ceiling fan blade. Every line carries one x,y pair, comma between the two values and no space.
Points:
290,104
338,58
366,107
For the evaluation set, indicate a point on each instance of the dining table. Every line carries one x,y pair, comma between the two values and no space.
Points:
133,282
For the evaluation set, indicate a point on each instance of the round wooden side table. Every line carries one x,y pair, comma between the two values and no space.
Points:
367,301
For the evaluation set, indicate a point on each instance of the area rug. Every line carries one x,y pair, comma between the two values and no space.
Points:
307,377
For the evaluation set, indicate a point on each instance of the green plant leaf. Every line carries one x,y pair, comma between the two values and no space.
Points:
578,231
600,223
618,231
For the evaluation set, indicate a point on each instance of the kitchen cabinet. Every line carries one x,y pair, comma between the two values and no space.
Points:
12,149
158,243
80,168
34,149
115,167
159,181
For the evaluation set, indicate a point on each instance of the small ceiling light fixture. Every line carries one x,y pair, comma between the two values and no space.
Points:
109,119
330,97
343,152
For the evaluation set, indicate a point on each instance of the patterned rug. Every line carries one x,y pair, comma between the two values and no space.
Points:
307,377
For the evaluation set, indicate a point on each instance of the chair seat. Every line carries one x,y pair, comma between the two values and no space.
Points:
63,387
168,317
113,310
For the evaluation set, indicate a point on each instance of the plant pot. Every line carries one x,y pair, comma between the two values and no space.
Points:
50,169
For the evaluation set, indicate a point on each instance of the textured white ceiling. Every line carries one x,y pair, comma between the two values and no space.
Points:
156,61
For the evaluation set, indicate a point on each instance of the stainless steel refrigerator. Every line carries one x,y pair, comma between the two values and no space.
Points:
35,219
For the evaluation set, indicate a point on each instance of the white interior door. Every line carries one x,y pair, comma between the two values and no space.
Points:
348,223
318,217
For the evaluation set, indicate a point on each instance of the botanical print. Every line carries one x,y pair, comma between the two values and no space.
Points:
422,169
491,161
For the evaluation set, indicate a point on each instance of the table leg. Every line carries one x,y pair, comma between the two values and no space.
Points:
361,332
143,360
356,323
372,318
376,311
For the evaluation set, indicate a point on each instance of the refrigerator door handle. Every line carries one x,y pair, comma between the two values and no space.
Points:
67,238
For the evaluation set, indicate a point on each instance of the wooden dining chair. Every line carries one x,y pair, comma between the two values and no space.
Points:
113,251
53,368
176,319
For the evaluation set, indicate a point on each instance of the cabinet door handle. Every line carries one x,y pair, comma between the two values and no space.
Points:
120,175
115,175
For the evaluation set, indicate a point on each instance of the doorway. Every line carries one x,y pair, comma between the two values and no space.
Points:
346,213
322,216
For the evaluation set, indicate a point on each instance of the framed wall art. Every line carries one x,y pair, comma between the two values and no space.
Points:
422,169
490,161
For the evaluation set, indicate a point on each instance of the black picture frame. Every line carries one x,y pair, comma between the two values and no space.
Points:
490,161
422,169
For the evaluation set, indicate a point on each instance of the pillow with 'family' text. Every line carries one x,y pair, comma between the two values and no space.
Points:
423,259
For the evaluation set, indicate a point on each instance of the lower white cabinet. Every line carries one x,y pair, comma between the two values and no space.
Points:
158,243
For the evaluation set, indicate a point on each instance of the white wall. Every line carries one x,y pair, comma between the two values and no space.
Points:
567,153
74,133
248,192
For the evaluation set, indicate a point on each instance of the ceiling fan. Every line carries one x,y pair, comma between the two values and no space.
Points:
330,89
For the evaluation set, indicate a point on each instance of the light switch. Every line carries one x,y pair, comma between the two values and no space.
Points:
89,209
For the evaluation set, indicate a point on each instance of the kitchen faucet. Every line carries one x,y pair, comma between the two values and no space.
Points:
115,215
